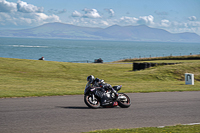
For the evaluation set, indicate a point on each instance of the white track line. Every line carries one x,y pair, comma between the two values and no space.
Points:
181,124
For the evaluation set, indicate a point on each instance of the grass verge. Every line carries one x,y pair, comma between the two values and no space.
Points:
24,78
167,129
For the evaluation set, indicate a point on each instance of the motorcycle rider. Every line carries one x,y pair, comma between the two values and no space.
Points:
94,82
99,83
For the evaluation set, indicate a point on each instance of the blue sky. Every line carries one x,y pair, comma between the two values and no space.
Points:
175,16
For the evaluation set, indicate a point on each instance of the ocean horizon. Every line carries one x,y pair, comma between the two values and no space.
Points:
65,50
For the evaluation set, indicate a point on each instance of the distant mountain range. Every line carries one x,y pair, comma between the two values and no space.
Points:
115,32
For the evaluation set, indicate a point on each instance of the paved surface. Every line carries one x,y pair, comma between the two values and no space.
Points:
64,114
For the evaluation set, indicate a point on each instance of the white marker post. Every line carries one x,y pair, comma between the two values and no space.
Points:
189,79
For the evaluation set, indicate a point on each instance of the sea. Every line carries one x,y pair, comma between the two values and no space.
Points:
86,51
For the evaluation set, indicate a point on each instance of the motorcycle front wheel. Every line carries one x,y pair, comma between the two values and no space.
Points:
90,102
124,101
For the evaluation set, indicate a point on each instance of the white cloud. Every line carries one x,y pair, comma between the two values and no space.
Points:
165,23
91,13
41,17
28,8
148,20
55,11
7,6
194,24
80,20
171,26
87,22
105,23
192,18
179,27
24,19
110,11
76,14
22,14
128,20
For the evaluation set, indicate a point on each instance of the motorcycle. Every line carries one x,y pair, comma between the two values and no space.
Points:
95,97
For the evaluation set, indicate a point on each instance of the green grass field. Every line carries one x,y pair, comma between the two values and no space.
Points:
25,78
167,129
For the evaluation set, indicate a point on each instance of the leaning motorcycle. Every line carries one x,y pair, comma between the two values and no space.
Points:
93,97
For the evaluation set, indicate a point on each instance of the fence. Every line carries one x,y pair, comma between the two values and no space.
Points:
138,57
83,61
163,55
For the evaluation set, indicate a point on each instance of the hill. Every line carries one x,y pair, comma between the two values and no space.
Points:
145,33
115,32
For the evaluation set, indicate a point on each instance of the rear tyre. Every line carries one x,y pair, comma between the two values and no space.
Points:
90,102
124,102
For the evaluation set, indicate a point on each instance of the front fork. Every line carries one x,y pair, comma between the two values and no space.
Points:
93,97
116,94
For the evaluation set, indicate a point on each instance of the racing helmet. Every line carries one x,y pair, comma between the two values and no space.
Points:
90,79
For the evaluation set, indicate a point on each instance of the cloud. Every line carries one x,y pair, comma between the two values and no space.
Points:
80,20
175,24
28,8
194,24
76,14
165,23
171,26
7,6
55,11
43,17
87,22
21,14
89,13
128,20
192,18
110,11
105,23
190,26
23,19
179,27
148,20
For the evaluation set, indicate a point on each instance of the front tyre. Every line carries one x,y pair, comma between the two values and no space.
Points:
90,102
124,101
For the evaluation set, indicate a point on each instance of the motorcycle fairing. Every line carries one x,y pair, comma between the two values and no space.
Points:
117,88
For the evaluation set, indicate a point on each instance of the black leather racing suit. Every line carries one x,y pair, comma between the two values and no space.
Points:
104,88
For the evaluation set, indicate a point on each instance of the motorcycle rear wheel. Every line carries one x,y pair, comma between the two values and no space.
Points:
90,102
122,103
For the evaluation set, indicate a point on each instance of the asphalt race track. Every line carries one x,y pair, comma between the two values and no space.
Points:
64,114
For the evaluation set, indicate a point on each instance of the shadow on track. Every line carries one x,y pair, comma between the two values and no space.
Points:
75,107
72,107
